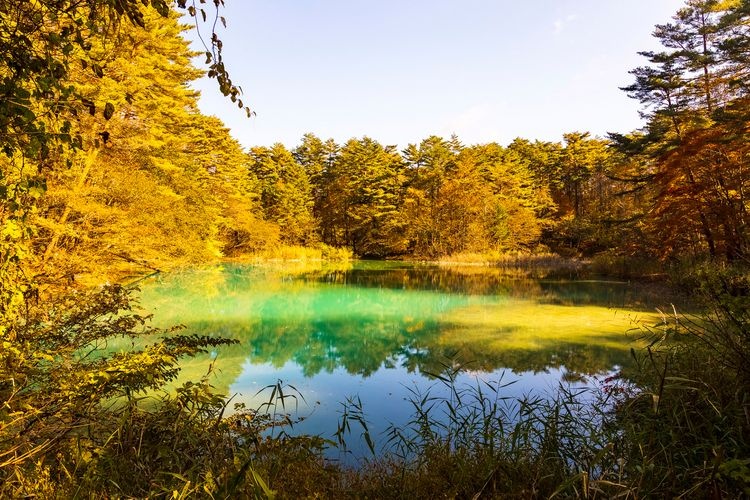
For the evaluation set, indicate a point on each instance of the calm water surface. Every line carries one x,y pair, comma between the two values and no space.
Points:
380,329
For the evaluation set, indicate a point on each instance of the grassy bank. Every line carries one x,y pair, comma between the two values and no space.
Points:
601,265
524,261
295,253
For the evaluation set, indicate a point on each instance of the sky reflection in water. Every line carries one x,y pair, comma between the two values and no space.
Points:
378,330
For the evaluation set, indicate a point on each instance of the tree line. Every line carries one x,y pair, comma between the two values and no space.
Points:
675,189
151,182
430,200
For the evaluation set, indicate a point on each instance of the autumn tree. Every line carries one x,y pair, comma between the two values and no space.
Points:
318,158
364,190
694,137
80,119
42,44
286,193
541,159
160,184
467,209
232,195
522,202
580,160
428,167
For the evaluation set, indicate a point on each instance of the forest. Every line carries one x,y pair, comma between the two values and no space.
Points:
109,172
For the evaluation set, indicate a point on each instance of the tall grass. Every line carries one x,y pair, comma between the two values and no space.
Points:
689,426
472,441
666,437
318,252
523,260
675,425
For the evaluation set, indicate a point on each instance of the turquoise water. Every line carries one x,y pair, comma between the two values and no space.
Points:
380,330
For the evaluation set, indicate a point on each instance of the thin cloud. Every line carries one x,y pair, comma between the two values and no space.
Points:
477,123
559,25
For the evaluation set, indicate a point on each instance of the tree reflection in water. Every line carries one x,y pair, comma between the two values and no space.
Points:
368,316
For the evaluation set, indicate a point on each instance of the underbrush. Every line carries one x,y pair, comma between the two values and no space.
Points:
626,267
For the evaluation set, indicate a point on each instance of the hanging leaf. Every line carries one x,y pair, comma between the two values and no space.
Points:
109,110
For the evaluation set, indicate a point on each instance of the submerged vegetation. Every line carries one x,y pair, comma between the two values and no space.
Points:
109,171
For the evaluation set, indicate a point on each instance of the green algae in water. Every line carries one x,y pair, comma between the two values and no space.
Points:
379,330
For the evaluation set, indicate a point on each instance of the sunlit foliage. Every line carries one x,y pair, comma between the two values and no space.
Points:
693,154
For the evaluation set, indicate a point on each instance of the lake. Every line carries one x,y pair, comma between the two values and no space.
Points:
381,330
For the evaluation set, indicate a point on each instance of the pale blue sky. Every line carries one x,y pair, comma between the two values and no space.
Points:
399,71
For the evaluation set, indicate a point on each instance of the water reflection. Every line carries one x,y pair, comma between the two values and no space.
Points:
369,317
380,329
